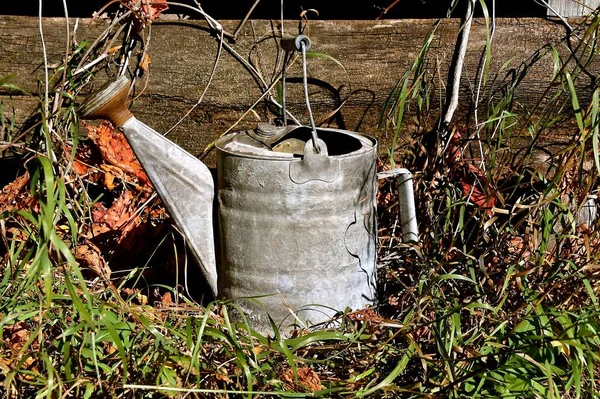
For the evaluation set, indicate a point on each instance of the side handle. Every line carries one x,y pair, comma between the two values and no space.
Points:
406,202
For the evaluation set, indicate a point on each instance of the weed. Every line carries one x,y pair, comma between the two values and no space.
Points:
499,299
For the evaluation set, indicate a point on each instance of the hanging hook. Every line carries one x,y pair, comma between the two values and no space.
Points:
310,114
302,44
294,43
289,44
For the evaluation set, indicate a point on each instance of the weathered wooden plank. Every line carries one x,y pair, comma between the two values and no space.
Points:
572,8
375,54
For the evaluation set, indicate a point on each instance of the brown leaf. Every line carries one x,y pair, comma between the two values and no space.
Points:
153,8
222,375
473,183
109,181
80,168
115,150
114,217
145,62
308,379
166,299
90,256
366,314
15,196
17,336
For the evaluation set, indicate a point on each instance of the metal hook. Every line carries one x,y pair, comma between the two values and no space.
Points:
305,81
289,44
302,44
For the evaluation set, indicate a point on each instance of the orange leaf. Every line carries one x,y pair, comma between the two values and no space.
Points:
15,196
115,150
153,8
145,62
308,379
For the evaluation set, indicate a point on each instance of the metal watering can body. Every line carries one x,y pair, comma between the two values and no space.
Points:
297,229
297,226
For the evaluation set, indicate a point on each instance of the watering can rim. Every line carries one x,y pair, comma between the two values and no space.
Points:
369,144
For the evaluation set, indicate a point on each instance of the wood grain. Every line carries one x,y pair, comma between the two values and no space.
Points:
374,55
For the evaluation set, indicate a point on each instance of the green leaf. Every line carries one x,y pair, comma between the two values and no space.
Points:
575,102
313,54
400,367
453,276
595,121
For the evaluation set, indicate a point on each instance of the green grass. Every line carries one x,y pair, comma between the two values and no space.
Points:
493,302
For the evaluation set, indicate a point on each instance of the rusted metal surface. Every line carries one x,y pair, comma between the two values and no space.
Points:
306,248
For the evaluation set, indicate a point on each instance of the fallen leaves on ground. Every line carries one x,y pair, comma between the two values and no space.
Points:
472,179
15,195
116,217
17,335
308,379
89,255
115,150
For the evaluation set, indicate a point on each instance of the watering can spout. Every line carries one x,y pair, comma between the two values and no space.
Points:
182,181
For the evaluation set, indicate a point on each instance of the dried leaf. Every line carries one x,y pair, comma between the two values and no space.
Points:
308,379
114,49
109,181
222,375
166,299
114,217
17,336
153,8
145,62
142,299
80,168
115,150
367,314
89,255
15,196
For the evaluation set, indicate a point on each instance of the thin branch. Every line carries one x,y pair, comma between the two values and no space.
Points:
458,66
45,54
241,25
480,83
387,9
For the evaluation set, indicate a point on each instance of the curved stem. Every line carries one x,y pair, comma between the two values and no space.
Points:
458,66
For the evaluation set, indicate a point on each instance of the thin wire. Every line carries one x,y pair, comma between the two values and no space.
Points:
283,90
283,74
310,114
215,25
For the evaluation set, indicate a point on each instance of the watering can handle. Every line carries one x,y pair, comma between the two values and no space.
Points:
109,103
301,43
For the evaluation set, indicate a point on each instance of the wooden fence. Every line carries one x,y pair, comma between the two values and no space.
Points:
374,55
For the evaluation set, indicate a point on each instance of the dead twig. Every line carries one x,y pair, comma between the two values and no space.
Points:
455,76
387,9
241,25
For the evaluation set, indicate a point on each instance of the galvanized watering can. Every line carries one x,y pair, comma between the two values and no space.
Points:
296,210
